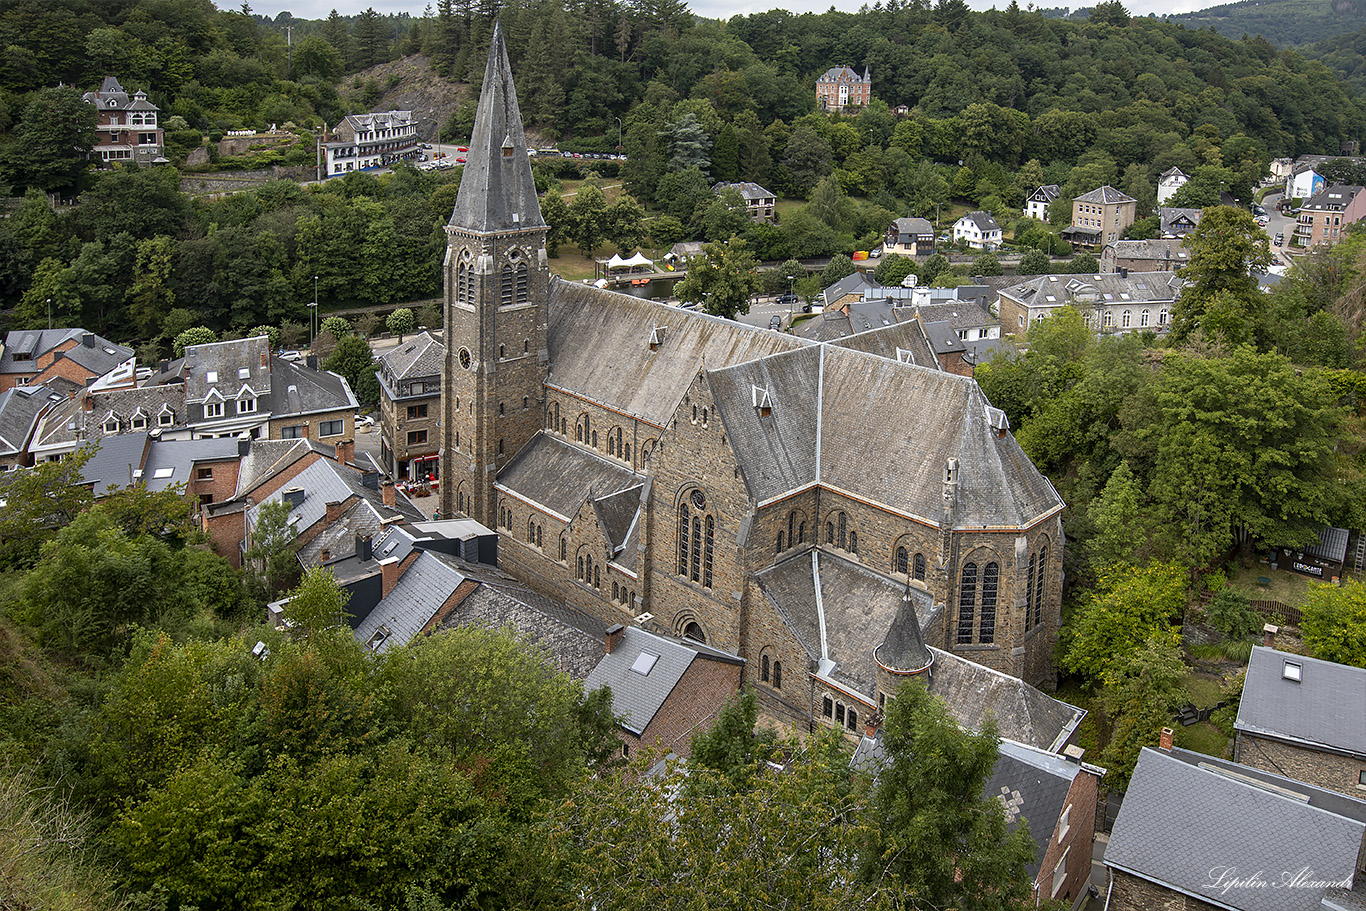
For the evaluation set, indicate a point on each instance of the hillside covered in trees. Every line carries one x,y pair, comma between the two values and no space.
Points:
1282,22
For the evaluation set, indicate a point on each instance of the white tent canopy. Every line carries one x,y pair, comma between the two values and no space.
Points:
639,259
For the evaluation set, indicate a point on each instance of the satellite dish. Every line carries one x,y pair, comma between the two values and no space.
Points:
910,280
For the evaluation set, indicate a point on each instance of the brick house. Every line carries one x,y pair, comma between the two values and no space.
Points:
409,407
207,469
1304,718
718,482
33,356
840,87
1323,218
127,128
760,203
1100,217
362,141
1055,795
1195,833
665,689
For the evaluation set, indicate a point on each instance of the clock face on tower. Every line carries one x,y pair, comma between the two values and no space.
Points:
464,355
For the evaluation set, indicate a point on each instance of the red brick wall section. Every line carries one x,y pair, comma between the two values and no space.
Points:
695,701
1081,830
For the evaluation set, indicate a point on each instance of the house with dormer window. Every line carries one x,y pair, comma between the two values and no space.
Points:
127,128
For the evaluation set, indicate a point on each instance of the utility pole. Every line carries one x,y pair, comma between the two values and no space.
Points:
289,43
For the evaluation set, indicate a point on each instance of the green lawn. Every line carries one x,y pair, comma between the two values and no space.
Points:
1286,587
1202,737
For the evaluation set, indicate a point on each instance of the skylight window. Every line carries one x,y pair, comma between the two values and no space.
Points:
1293,672
243,373
163,472
211,376
645,663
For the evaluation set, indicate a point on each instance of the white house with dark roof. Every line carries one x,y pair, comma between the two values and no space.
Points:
1304,718
1036,206
363,141
1171,180
760,203
978,230
1199,832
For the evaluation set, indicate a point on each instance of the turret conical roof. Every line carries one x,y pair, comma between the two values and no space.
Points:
497,191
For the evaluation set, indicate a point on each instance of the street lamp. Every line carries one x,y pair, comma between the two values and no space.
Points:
618,120
791,297
49,313
313,315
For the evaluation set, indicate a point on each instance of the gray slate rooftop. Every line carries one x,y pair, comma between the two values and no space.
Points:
1186,816
1023,713
1032,786
600,349
1327,708
559,476
573,641
20,409
97,357
419,593
640,686
1103,195
420,355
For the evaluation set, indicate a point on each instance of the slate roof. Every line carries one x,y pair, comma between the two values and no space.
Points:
637,695
174,461
617,513
1331,545
983,221
837,323
827,396
559,476
906,341
858,282
1331,199
417,596
1046,193
420,356
858,609
750,191
497,192
1109,287
1170,215
109,90
96,358
1173,172
218,367
916,227
339,538
326,481
20,409
836,72
572,640
1032,785
960,314
267,457
115,462
1166,249
298,389
1326,709
1022,712
586,323
1186,815
1104,195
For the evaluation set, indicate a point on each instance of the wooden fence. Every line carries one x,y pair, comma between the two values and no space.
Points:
1287,615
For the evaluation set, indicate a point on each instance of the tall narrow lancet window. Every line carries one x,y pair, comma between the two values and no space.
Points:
967,602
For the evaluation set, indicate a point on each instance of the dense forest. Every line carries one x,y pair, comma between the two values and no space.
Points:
1282,22
996,104
147,757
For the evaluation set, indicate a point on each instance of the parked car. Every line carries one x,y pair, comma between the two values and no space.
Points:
1280,239
1263,220
775,322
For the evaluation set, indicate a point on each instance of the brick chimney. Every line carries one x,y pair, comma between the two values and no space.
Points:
325,555
870,724
346,451
334,511
386,492
614,637
389,575
1269,635
1165,743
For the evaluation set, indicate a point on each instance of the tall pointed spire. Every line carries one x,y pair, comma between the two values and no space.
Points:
497,191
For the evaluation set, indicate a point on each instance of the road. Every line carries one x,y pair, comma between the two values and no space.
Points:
1278,224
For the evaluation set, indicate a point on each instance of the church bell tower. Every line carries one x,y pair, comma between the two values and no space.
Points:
496,285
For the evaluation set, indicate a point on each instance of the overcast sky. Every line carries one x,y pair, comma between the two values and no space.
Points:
716,9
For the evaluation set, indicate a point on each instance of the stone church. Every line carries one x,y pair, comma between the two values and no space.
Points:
840,514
